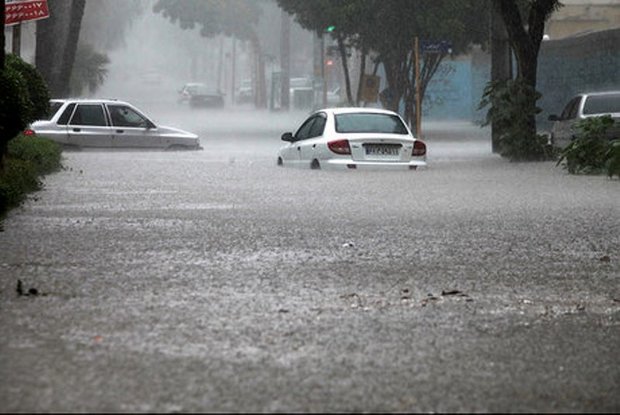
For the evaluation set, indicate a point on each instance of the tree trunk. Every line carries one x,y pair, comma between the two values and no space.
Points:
345,67
360,83
260,94
77,13
285,61
501,63
56,44
526,42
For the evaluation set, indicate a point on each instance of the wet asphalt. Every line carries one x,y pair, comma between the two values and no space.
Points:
215,281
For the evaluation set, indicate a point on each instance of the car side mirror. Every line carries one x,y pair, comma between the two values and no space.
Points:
554,117
288,137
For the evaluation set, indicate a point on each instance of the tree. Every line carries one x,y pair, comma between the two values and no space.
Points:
105,23
236,18
388,29
56,44
525,27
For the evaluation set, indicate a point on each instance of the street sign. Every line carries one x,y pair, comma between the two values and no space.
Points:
443,46
18,11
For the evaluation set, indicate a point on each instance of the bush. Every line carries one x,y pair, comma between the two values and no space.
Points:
512,103
591,152
28,158
15,106
38,93
612,158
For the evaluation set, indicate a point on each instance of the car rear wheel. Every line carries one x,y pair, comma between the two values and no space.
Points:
315,165
280,162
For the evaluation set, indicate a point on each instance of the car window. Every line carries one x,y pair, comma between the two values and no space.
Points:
318,126
304,131
64,118
602,104
124,116
370,123
88,114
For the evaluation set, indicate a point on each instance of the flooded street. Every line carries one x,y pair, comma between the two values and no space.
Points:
216,281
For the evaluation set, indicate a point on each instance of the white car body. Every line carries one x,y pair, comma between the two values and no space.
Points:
107,123
580,107
343,138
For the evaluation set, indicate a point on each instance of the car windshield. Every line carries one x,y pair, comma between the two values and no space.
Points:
198,89
369,123
602,104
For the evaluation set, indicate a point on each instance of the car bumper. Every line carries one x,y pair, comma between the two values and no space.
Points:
348,164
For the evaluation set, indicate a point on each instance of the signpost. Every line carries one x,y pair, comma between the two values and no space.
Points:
18,11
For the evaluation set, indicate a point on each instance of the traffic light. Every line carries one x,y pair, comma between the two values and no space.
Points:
330,29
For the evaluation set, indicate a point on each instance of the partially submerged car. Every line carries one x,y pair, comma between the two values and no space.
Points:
352,138
580,107
107,123
199,95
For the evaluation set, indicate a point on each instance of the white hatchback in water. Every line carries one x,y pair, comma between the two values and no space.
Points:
353,138
108,124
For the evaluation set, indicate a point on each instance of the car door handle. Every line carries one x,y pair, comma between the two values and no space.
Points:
120,131
77,130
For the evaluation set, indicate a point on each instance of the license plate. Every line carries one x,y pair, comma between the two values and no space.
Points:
381,150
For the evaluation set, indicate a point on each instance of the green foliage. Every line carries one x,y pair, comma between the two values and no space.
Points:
28,158
512,106
89,70
15,107
612,158
38,93
399,22
231,17
591,152
43,153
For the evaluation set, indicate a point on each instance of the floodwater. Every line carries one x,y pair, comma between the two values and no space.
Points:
216,281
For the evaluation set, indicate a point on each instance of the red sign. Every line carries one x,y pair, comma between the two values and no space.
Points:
25,10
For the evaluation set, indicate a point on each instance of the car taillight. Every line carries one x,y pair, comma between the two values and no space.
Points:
419,148
28,132
339,146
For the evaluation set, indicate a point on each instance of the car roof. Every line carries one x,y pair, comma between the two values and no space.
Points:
90,100
356,110
589,94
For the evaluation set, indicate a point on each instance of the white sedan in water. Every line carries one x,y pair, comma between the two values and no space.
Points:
109,124
352,138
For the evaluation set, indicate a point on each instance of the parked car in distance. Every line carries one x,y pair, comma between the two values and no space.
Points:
352,138
582,106
107,123
199,95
